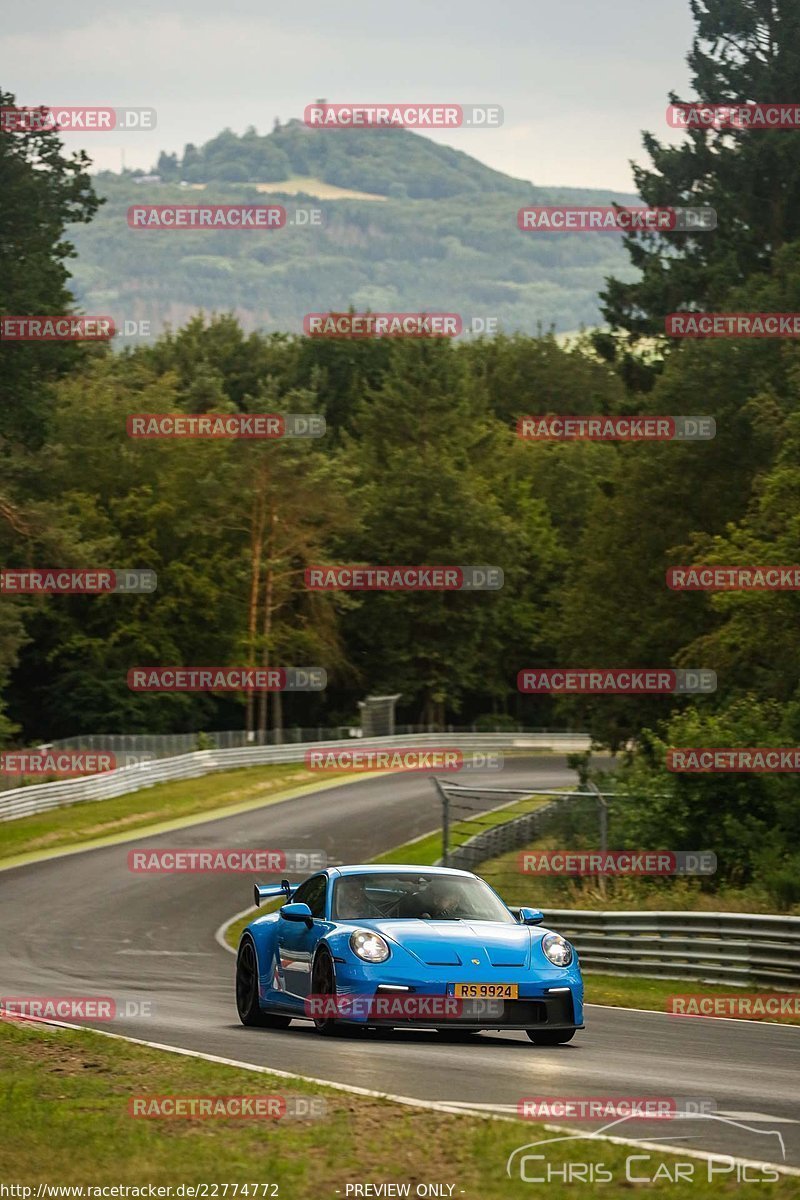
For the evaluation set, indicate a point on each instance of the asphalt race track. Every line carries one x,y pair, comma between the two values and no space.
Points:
85,925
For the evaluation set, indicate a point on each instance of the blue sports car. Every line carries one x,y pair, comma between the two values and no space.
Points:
405,946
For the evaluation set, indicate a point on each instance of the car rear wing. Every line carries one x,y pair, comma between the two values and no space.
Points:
271,891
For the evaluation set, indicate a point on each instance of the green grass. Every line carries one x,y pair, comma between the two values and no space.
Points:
623,991
424,850
61,828
64,1120
427,849
633,892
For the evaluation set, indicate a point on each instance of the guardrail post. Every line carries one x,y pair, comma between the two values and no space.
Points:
445,822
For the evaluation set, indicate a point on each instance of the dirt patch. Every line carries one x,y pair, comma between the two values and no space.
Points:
262,789
57,835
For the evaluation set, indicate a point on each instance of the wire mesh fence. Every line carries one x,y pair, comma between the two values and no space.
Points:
494,830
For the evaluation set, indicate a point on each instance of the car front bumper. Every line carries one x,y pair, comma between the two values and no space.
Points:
553,1002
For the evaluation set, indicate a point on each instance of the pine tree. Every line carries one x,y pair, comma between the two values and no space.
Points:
745,51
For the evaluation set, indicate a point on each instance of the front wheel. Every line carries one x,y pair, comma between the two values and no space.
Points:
551,1037
250,1011
323,986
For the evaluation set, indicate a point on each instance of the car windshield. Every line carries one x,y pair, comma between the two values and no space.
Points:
405,896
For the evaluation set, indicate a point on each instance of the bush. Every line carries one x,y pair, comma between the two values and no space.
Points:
496,723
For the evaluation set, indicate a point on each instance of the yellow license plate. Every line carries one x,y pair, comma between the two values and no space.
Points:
486,991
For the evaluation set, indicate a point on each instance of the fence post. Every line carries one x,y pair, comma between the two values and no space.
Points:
445,822
603,814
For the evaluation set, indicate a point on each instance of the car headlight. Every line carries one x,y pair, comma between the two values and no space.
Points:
369,946
557,949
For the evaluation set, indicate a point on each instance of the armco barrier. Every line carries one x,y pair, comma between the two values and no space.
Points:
726,948
40,797
499,839
737,949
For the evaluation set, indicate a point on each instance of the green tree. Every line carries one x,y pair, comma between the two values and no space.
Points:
750,820
436,484
43,192
743,50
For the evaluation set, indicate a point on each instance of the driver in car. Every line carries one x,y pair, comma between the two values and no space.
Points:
448,900
352,902
441,901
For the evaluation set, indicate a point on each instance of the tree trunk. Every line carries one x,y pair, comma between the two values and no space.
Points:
263,698
277,717
256,550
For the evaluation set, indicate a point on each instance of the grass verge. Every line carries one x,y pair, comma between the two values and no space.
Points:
64,1121
163,804
640,893
629,991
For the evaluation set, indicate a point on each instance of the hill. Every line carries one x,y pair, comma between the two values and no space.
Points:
390,162
408,224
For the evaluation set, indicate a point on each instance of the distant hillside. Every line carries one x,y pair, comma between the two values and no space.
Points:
390,162
444,238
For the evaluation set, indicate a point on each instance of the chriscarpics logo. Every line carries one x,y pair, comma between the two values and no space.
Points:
640,1160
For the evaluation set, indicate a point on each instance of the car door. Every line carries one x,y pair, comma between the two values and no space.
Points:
297,941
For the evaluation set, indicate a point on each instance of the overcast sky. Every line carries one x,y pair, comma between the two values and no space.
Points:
577,80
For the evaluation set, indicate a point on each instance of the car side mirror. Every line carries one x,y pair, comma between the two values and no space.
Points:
530,916
297,912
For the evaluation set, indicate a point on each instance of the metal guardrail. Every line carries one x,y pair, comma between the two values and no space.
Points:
725,948
737,949
40,797
499,839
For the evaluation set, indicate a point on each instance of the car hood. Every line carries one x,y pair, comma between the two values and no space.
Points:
451,943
